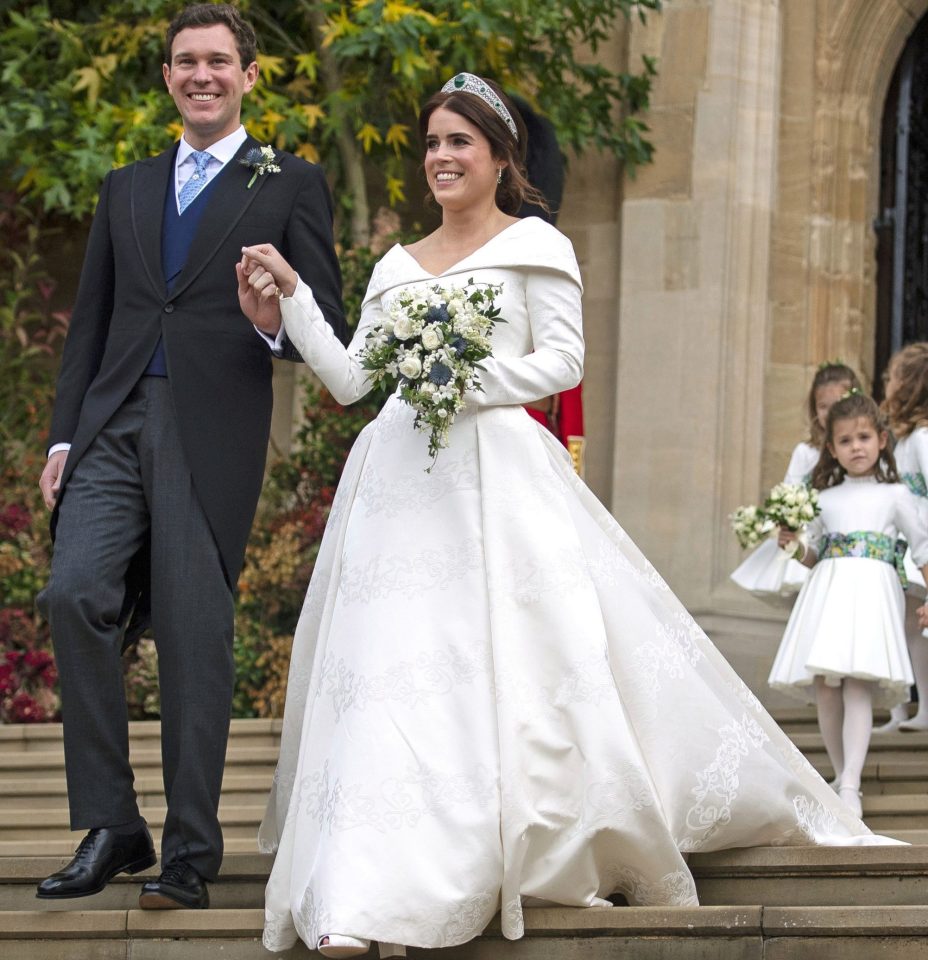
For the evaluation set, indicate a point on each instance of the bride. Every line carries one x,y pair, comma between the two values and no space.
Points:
494,698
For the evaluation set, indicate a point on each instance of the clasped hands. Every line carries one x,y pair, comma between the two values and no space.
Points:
263,277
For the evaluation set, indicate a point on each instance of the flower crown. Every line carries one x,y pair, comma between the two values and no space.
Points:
468,83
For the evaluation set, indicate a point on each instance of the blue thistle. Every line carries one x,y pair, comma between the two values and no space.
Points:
253,157
438,314
458,345
439,374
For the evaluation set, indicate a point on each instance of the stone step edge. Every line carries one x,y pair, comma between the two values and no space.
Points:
869,861
58,819
14,732
884,922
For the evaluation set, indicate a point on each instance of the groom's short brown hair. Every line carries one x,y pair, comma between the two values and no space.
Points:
207,14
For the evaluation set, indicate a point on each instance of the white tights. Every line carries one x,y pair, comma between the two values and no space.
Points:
918,654
845,717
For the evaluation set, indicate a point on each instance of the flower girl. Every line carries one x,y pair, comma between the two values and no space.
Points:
907,410
769,570
844,647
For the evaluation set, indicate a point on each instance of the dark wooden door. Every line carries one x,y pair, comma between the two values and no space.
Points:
902,227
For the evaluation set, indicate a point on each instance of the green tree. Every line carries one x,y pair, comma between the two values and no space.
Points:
341,83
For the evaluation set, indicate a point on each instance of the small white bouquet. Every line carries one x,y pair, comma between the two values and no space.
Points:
750,525
792,506
432,341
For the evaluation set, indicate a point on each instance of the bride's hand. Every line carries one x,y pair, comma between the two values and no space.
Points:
264,258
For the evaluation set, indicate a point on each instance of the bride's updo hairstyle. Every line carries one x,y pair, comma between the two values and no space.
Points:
514,189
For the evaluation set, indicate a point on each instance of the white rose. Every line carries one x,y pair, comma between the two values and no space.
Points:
428,389
410,366
403,328
431,338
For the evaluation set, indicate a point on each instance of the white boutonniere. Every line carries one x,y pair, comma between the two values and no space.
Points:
262,160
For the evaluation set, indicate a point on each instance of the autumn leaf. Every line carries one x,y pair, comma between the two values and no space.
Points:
89,79
398,137
395,191
271,67
308,152
307,64
368,135
312,114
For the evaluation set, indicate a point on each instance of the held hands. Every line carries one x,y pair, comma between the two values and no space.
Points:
263,277
50,481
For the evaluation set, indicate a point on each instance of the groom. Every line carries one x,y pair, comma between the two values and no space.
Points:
158,442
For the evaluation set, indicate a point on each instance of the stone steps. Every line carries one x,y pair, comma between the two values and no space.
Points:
773,876
47,793
643,933
770,903
143,734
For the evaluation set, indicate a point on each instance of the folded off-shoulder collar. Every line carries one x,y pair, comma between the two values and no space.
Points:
529,244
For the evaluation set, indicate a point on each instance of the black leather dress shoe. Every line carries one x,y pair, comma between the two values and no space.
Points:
99,857
179,886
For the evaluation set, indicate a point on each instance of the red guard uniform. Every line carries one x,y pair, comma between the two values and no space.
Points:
566,422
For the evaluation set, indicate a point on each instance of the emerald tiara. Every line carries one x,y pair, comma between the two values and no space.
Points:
468,83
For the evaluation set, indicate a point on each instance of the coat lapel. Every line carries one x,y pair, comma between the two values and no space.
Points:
221,215
150,181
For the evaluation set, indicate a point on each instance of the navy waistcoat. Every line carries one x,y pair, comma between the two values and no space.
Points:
177,233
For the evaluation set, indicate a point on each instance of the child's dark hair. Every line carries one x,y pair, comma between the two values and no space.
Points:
833,371
907,408
828,472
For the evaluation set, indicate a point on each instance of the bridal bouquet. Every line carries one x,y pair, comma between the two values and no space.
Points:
750,526
432,342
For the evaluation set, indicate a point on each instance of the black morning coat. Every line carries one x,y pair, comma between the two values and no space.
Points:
219,368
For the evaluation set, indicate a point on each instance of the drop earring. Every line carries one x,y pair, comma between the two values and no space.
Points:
499,176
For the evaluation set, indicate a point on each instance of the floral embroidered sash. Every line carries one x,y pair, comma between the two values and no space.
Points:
866,543
916,483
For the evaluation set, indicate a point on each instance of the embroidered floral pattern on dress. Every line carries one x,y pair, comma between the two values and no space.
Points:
867,544
411,682
718,785
393,804
673,889
388,576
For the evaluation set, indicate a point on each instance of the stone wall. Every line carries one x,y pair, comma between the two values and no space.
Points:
746,257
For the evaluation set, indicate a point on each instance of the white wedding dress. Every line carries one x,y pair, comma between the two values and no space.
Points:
494,698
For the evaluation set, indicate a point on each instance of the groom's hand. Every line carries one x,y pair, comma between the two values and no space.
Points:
50,481
258,302
265,257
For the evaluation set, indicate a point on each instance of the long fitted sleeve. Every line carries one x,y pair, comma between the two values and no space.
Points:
555,318
336,366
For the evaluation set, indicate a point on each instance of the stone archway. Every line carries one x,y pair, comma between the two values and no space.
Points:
858,44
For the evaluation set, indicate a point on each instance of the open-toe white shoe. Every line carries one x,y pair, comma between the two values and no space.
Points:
338,945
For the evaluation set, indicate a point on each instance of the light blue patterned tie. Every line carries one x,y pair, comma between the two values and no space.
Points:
197,180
